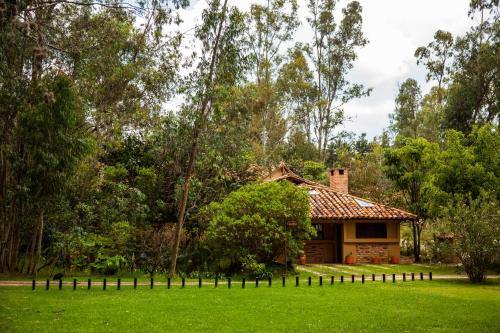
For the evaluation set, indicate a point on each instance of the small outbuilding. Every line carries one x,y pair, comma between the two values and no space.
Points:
347,225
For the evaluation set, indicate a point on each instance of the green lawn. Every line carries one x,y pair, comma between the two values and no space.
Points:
337,269
303,271
439,306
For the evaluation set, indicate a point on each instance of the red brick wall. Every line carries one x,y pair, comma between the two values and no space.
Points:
339,182
365,252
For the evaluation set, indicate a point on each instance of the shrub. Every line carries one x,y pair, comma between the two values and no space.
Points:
249,226
476,226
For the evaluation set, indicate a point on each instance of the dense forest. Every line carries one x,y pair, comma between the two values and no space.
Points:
102,170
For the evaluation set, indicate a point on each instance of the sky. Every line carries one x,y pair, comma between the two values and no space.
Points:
394,28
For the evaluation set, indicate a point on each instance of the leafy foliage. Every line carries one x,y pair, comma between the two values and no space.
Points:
475,224
249,227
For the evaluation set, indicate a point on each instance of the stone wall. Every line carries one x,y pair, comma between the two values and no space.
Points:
365,252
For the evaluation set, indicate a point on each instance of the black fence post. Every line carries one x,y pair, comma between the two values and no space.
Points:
341,279
404,277
60,284
256,282
296,281
216,283
373,277
33,285
118,283
183,282
283,281
362,278
74,284
320,280
168,282
430,276
352,278
243,283
151,283
199,282
332,279
89,284
269,281
229,282
383,277
135,282
47,286
393,278
421,276
309,281
413,276
104,284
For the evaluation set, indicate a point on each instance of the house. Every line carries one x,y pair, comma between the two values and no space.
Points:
346,224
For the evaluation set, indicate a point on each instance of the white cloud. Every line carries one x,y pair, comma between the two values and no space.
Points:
395,29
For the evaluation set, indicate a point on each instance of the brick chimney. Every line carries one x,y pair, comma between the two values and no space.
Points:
339,179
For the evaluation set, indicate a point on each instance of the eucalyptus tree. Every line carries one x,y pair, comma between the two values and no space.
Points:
120,78
220,66
473,92
437,57
295,82
332,53
269,27
404,120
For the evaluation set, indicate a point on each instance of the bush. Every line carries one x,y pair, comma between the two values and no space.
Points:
476,227
248,229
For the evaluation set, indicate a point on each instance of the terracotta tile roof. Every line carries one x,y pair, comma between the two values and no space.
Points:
326,203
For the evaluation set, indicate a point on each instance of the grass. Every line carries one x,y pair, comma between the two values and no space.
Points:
421,306
337,269
303,271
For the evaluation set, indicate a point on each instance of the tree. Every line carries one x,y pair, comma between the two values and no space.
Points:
473,93
220,66
430,118
50,133
466,166
314,171
332,53
121,78
436,57
476,228
269,26
367,179
295,82
404,119
408,165
249,227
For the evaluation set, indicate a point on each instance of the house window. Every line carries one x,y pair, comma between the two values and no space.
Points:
320,235
371,230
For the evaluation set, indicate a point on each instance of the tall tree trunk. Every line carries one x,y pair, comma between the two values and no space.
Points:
414,234
38,253
416,231
199,123
4,245
30,254
183,204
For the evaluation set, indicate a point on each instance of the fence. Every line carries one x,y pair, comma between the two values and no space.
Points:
229,282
